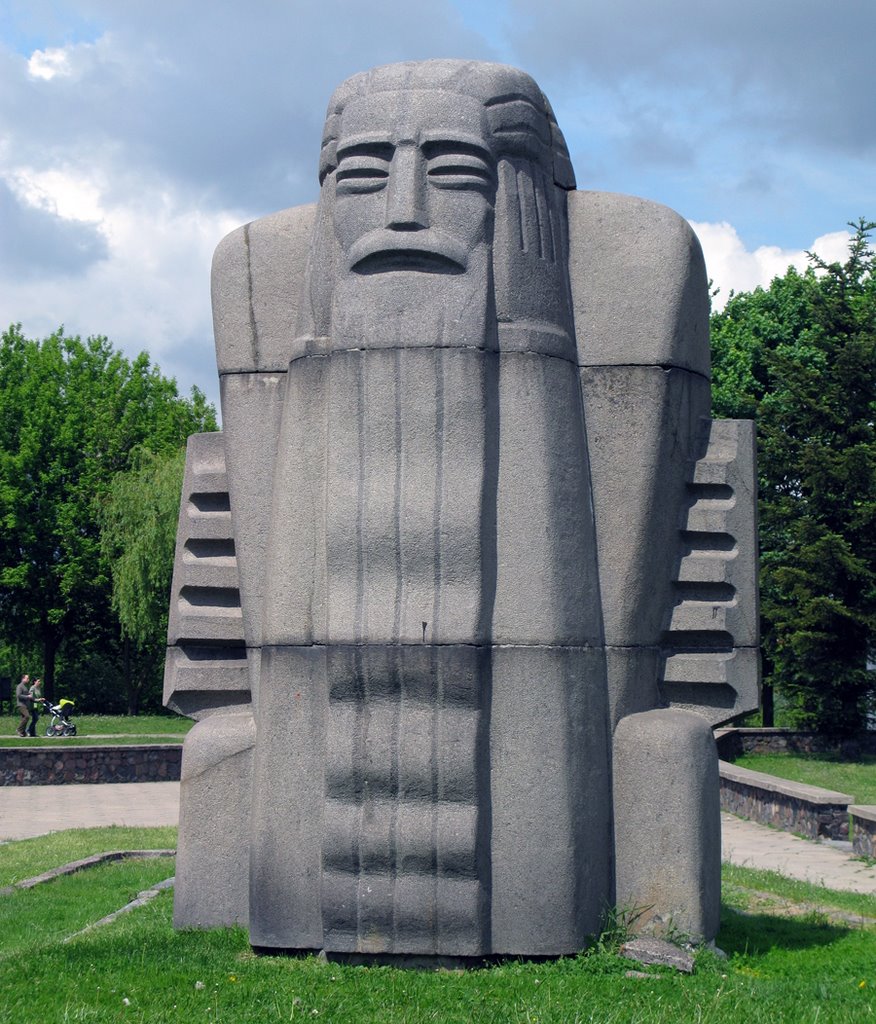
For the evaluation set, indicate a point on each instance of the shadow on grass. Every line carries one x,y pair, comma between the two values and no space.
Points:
759,933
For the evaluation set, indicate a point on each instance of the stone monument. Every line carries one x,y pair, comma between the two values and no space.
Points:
469,574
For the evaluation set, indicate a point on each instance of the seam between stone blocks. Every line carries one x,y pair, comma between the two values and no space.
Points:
224,759
417,645
665,367
656,647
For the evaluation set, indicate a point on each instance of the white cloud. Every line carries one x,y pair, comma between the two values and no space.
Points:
67,194
50,63
151,288
733,268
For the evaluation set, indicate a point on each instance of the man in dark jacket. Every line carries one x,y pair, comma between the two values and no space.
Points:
25,704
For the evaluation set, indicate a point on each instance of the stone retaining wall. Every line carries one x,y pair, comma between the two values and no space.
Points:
54,765
790,806
863,830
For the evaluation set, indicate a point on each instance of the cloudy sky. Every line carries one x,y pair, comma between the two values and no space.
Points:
134,134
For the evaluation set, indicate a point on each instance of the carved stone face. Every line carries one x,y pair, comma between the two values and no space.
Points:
415,183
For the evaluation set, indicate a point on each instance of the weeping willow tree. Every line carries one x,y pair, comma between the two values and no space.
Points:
138,534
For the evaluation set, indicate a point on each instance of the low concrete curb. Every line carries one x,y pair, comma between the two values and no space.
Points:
82,865
144,897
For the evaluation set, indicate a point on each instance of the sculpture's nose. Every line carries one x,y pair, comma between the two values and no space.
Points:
405,195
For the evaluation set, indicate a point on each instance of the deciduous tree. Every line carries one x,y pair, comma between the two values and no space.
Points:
72,413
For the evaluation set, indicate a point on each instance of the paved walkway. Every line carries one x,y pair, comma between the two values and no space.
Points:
34,810
756,846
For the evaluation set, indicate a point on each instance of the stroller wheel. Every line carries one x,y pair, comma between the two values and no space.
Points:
71,730
50,731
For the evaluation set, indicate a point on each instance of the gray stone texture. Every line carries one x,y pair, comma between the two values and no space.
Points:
639,284
469,518
667,823
659,952
212,865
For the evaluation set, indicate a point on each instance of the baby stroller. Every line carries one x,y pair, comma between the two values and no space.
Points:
60,712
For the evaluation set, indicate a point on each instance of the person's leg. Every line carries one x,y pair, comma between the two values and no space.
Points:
34,718
25,716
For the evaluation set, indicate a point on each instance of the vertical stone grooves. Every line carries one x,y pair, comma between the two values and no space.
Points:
361,410
539,211
399,483
516,197
360,769
253,325
482,702
483,795
440,327
435,795
551,225
397,688
439,488
489,499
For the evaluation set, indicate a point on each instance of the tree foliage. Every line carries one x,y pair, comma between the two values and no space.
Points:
73,414
138,537
800,357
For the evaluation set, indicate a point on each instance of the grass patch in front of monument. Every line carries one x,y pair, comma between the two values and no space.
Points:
780,968
26,858
36,921
828,771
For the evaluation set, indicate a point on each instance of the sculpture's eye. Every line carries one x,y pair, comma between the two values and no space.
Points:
458,168
360,171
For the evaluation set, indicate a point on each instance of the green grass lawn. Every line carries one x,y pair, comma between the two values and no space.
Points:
857,778
111,729
785,963
26,858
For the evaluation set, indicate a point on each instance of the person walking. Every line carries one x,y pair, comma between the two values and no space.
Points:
24,704
36,693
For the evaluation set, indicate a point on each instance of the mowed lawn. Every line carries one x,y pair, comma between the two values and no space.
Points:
856,778
105,729
796,953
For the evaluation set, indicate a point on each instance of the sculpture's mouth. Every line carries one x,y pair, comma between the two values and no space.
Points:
407,259
426,251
